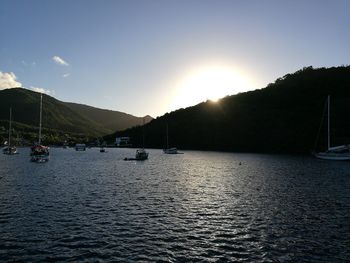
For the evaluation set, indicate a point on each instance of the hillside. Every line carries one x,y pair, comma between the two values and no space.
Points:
283,117
60,117
111,120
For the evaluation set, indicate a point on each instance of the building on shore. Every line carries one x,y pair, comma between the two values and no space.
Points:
122,142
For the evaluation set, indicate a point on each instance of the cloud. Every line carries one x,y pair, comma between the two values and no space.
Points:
59,61
8,81
28,64
66,75
42,90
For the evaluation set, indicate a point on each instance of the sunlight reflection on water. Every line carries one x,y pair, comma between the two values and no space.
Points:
199,206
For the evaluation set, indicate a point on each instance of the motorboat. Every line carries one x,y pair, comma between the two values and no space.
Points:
141,155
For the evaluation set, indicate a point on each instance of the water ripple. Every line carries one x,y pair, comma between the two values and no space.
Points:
196,207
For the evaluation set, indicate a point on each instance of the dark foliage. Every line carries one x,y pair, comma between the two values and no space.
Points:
283,117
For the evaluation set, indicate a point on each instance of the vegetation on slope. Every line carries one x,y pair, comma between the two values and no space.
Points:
61,120
111,120
283,117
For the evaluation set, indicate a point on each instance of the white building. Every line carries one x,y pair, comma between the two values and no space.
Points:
122,141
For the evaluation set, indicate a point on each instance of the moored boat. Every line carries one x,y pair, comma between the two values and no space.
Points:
9,149
167,150
335,153
141,155
80,147
40,153
172,150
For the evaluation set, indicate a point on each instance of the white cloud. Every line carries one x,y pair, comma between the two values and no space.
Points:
28,64
66,75
41,90
8,81
59,61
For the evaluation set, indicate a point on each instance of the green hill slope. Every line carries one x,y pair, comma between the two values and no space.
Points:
60,116
283,117
111,120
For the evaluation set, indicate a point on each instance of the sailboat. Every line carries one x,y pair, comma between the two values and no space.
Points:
338,153
168,150
10,149
102,147
40,153
141,154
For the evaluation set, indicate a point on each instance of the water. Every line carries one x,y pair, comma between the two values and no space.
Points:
199,206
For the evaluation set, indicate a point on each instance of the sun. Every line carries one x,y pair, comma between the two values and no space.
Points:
209,83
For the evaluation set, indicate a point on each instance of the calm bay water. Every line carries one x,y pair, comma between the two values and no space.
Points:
199,206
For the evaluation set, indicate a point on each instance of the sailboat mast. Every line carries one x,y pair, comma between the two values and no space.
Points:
167,136
41,107
10,128
143,133
328,124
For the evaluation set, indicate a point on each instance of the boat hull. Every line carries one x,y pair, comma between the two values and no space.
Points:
39,158
10,151
333,156
170,151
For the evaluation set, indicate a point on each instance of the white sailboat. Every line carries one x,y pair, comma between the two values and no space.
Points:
337,153
9,149
167,150
40,153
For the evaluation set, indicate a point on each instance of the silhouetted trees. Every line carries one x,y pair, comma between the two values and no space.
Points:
283,117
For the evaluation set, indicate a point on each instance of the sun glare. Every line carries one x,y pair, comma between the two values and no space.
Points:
210,83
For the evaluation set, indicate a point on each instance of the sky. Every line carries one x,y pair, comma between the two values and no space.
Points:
155,56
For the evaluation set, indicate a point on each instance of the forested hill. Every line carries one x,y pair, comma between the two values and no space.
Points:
111,120
283,117
61,116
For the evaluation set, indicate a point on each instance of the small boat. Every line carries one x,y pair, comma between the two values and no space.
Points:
40,153
337,153
80,147
65,145
102,147
140,155
171,150
167,150
9,149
